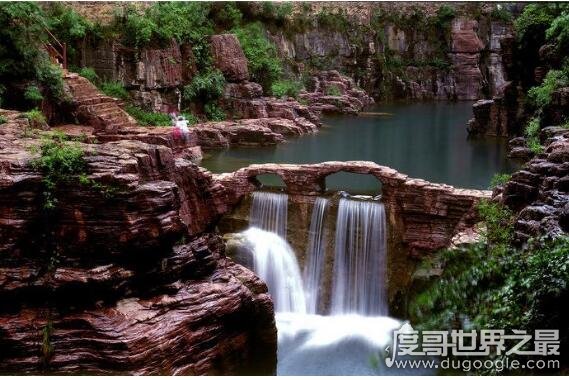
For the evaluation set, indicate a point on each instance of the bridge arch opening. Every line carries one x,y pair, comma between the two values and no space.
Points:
353,183
268,180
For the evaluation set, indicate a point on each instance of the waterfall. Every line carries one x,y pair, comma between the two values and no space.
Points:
315,255
359,259
269,212
275,263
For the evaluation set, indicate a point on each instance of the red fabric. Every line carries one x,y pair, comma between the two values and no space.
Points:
177,132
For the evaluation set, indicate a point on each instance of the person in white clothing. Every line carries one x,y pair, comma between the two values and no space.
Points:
182,124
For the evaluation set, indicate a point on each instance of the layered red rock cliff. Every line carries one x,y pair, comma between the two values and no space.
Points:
126,282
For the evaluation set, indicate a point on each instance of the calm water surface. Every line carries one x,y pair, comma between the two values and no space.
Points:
423,140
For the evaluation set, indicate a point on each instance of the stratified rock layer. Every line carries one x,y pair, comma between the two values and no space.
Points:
104,283
539,192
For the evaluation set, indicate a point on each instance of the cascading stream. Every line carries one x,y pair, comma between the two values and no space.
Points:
273,258
315,255
275,262
359,259
358,329
269,212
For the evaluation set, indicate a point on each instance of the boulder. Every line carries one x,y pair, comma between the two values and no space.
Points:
229,57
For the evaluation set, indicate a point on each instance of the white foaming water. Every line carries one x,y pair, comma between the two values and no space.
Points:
275,263
359,259
315,255
332,345
355,336
269,212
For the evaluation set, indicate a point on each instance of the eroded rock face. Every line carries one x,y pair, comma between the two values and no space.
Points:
331,92
229,58
104,284
539,193
199,313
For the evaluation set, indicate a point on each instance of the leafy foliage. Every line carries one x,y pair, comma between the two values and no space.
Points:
559,31
333,91
21,54
501,14
205,86
36,118
286,88
535,20
33,94
264,64
499,179
59,161
213,112
68,25
146,118
114,89
336,21
540,96
492,285
445,15
226,15
90,74
3,119
499,225
163,21
532,135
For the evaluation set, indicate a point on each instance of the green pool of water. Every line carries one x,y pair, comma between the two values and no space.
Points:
423,140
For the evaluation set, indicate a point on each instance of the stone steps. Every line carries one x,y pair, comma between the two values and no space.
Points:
93,105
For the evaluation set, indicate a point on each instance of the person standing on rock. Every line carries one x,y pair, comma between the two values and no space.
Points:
182,125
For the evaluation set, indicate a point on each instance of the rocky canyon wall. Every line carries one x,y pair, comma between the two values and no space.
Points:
403,50
407,51
121,276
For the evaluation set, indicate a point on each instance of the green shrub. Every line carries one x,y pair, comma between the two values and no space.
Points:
333,91
501,14
36,118
59,161
445,15
534,145
499,224
228,15
205,86
263,61
214,113
535,20
90,74
33,94
499,179
163,21
532,135
146,118
532,128
540,96
68,26
517,290
3,119
333,21
559,32
192,119
114,90
276,13
286,87
51,77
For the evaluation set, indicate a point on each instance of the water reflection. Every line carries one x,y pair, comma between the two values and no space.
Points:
424,140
